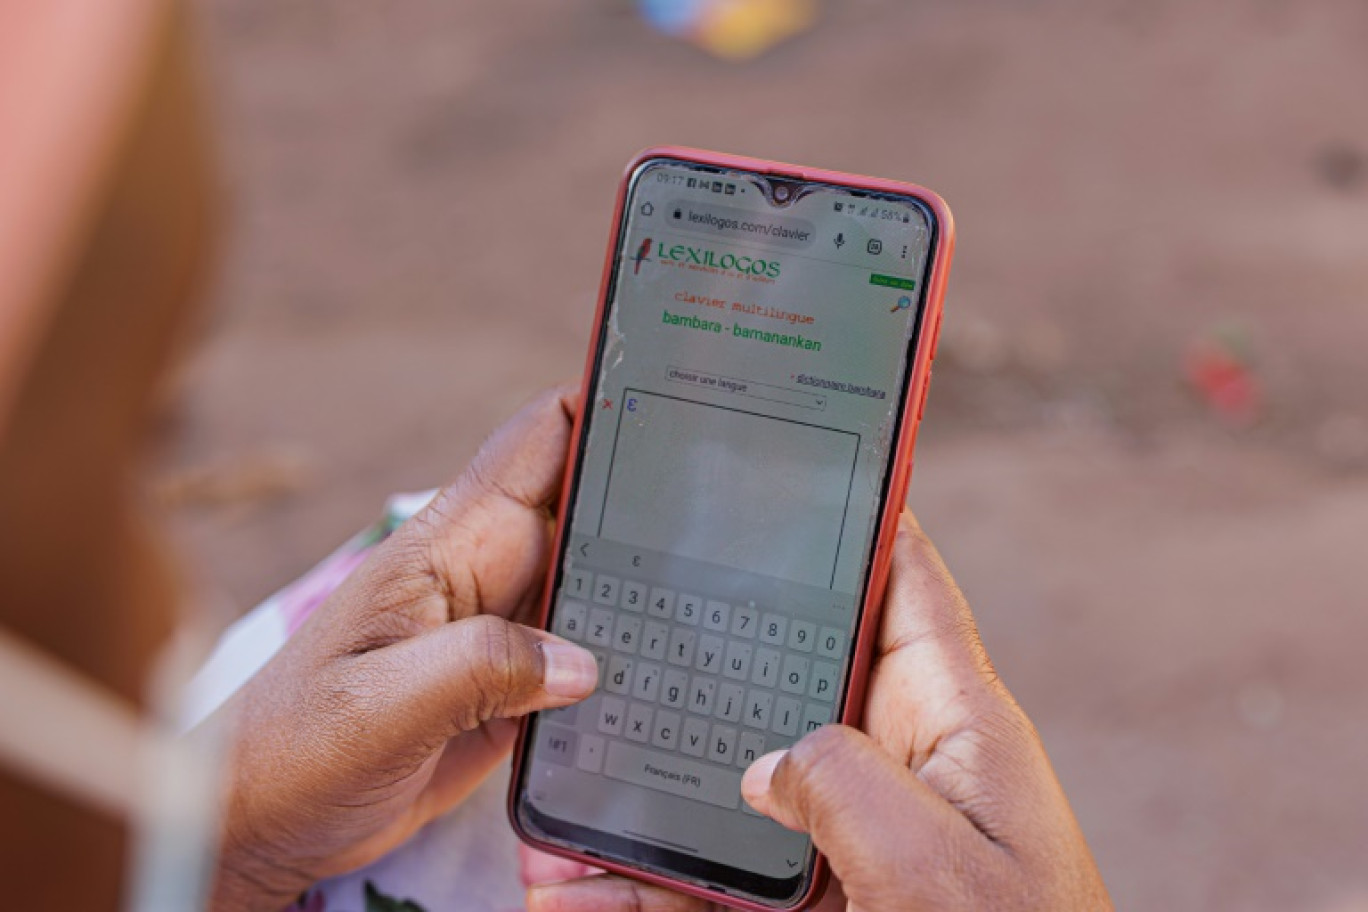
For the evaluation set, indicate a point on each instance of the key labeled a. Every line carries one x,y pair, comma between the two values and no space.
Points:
571,620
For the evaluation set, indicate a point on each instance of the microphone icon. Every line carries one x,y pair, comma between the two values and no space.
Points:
840,241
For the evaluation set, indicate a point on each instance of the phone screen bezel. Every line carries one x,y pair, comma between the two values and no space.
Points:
735,883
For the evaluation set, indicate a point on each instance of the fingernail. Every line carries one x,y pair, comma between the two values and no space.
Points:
567,670
755,784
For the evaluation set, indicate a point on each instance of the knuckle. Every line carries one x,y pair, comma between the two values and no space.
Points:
987,768
502,667
487,475
999,722
912,546
398,592
421,541
814,754
814,768
910,535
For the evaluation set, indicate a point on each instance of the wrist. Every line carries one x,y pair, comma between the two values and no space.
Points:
250,880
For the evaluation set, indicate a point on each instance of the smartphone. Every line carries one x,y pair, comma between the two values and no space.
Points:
759,363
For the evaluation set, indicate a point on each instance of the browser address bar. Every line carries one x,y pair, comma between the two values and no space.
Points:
729,222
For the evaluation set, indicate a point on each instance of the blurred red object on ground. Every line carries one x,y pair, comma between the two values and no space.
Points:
1220,372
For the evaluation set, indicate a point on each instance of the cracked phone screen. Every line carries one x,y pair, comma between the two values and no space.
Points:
750,376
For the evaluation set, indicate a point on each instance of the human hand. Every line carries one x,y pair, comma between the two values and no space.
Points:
949,802
400,693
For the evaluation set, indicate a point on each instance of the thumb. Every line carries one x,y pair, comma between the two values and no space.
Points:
867,813
461,674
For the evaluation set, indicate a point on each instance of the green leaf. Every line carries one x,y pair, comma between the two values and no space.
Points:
379,902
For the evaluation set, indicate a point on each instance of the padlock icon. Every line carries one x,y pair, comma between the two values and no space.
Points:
678,213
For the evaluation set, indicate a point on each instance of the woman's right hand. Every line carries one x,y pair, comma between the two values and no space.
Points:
949,802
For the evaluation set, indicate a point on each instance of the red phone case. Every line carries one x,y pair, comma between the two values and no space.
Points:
867,626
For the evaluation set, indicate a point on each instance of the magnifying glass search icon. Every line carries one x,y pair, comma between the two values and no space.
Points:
903,303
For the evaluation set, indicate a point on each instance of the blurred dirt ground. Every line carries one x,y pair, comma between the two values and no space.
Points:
420,192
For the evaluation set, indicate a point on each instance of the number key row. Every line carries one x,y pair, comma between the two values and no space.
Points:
739,620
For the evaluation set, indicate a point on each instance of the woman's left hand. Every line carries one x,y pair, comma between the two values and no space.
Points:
401,692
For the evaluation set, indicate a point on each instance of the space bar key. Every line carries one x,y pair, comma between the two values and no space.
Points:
676,775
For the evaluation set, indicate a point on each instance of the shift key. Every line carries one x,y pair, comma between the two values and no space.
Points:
672,774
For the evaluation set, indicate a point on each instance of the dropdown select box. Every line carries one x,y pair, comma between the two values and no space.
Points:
737,387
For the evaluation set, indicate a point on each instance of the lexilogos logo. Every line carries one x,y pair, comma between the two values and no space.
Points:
705,257
641,256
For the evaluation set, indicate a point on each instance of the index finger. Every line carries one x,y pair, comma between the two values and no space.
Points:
481,545
519,466
486,536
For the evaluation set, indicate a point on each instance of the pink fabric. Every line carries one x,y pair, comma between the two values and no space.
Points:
299,599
